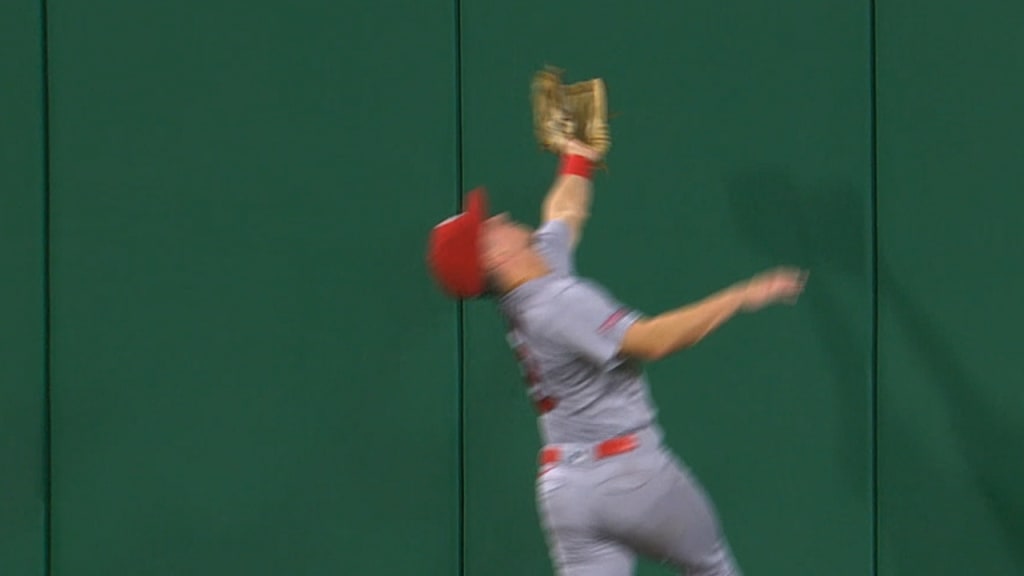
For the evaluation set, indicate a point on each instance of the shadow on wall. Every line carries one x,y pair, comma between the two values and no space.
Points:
825,230
991,445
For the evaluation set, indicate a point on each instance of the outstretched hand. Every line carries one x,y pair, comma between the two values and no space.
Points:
777,285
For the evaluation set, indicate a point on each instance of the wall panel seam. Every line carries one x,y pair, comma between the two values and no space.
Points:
46,287
460,306
873,63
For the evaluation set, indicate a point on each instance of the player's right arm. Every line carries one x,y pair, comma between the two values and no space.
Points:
667,333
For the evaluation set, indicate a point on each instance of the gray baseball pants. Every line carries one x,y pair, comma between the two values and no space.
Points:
598,515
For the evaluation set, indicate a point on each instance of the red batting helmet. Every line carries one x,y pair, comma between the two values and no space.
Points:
453,252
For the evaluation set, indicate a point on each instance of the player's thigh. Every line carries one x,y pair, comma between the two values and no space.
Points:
663,512
584,555
568,512
698,545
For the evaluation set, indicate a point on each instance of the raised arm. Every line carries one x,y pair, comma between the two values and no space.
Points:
569,197
569,200
675,330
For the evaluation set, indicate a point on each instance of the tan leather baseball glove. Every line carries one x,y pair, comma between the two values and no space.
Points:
565,111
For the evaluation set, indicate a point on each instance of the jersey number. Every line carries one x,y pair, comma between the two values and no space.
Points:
543,404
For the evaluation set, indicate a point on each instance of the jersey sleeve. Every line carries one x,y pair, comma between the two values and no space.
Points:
554,242
592,324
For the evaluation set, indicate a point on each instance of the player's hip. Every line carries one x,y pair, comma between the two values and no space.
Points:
615,464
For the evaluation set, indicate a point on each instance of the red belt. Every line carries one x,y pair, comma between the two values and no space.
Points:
608,448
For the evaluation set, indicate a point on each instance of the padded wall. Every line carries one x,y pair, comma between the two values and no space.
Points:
951,401
241,386
22,283
245,380
741,140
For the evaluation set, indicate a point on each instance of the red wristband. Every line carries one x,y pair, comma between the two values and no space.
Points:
577,165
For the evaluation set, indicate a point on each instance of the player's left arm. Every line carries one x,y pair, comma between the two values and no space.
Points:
569,201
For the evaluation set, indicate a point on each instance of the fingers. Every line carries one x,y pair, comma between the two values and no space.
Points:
782,284
797,288
795,276
785,284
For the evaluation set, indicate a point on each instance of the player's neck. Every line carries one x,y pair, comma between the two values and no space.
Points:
525,270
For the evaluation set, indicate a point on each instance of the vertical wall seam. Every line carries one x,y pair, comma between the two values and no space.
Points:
47,317
460,306
873,50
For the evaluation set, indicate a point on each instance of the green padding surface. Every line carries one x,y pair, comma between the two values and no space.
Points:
241,384
951,400
22,282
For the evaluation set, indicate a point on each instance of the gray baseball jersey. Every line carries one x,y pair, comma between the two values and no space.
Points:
599,514
565,331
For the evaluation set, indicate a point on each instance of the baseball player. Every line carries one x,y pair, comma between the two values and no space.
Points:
608,488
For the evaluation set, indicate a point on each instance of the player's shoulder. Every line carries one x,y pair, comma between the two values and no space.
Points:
557,295
568,295
554,226
554,234
581,287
